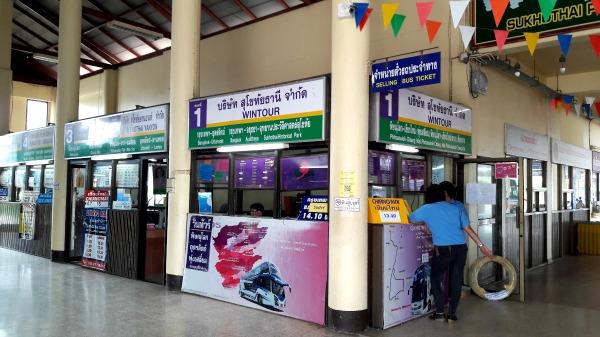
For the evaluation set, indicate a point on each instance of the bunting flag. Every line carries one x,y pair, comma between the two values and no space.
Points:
553,103
387,11
559,104
547,6
589,100
363,22
397,22
466,32
432,29
424,9
532,40
595,40
565,43
501,36
567,108
457,9
568,101
498,9
597,105
587,110
360,12
577,109
596,4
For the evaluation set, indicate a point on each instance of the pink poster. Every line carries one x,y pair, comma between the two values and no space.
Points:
274,265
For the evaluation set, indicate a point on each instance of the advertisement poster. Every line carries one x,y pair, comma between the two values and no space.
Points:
286,113
314,208
524,16
279,266
305,172
407,252
258,172
507,170
95,226
26,146
408,72
382,168
27,223
138,131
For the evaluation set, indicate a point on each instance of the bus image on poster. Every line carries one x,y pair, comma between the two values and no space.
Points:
264,286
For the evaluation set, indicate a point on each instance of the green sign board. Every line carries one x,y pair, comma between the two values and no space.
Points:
410,118
525,16
288,113
26,146
137,131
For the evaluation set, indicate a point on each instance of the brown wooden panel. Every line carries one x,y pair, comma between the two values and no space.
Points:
122,242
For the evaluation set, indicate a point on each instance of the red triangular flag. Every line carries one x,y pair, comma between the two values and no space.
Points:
553,103
595,40
432,29
498,9
559,104
423,10
365,18
597,105
596,4
567,108
501,36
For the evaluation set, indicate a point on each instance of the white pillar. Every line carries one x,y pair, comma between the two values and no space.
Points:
110,85
185,81
348,231
67,102
6,14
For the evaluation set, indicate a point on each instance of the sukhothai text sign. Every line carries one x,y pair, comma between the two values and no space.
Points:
522,16
410,118
138,131
406,73
27,146
287,113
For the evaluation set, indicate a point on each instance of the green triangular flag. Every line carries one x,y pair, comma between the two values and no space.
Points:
547,6
397,21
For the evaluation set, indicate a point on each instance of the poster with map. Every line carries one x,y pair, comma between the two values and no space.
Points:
274,265
407,253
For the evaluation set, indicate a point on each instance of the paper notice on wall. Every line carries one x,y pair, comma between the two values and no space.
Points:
347,184
481,194
347,204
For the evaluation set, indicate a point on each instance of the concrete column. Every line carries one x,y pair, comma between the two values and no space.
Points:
110,85
185,82
6,14
348,231
67,105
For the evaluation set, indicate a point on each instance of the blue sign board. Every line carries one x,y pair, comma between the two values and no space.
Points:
199,239
44,198
314,208
406,73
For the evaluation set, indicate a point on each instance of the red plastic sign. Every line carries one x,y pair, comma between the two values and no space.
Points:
507,170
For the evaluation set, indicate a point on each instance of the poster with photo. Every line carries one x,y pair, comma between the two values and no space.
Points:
27,223
274,265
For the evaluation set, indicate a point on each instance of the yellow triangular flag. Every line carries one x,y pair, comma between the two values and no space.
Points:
532,40
388,11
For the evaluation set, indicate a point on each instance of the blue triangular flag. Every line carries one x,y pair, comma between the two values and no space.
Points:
360,11
568,99
587,109
565,43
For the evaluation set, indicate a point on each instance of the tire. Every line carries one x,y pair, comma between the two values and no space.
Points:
506,265
259,300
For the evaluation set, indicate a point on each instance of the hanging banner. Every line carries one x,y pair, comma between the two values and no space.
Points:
414,119
524,143
407,252
571,155
406,73
288,113
137,131
27,146
27,223
595,161
522,16
274,265
95,225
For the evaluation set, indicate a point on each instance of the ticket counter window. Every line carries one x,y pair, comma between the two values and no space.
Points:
212,179
20,182
579,188
382,174
34,178
102,175
157,185
128,183
537,185
413,181
300,176
567,188
5,183
254,183
49,178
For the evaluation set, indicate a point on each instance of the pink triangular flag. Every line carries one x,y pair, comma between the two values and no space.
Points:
501,36
423,10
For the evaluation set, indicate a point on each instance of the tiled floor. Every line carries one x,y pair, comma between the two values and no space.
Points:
40,298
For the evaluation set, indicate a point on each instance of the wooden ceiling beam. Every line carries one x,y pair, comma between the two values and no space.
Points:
245,9
214,16
108,17
161,8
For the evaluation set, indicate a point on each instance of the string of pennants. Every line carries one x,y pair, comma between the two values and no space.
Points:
457,10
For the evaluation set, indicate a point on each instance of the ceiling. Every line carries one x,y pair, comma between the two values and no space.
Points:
119,32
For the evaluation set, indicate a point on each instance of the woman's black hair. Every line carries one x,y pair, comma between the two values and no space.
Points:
434,193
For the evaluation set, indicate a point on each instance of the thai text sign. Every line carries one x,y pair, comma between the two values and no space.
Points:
26,146
388,211
95,226
571,155
199,242
406,73
411,118
527,144
287,113
314,208
522,16
507,170
138,131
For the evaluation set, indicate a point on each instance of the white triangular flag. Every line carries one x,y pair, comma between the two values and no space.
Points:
589,100
457,9
577,108
466,32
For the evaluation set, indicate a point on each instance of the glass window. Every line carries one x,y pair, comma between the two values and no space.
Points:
102,175
34,178
382,168
579,188
485,176
49,178
438,173
37,114
127,177
413,175
566,178
212,182
255,173
157,185
5,183
305,172
567,188
20,178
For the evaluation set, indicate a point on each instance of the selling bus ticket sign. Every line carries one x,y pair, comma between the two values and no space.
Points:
406,73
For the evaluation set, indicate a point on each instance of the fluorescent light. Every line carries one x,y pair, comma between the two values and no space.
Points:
38,162
135,30
47,58
111,157
253,147
401,148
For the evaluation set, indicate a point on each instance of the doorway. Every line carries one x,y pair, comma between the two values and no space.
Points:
77,181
